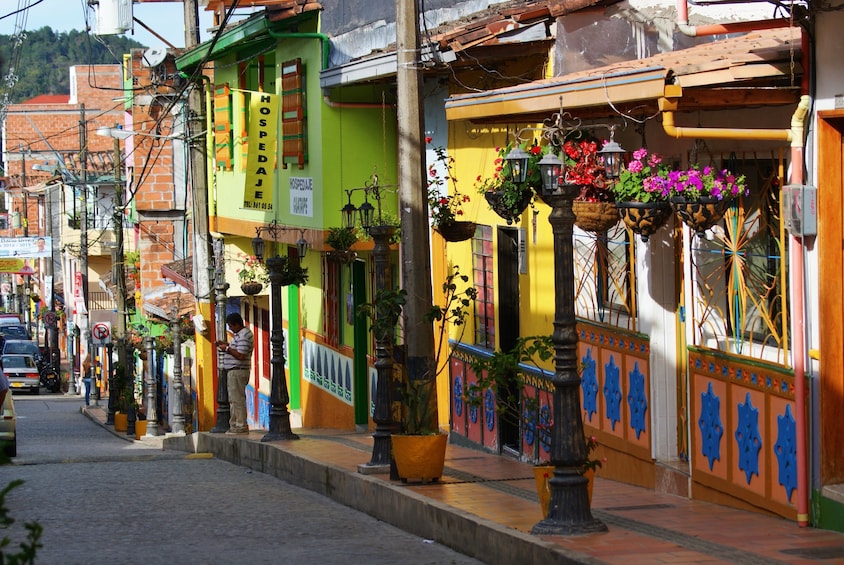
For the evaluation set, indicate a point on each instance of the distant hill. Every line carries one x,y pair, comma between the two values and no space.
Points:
44,58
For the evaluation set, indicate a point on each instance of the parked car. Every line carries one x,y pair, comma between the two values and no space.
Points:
22,372
12,331
24,347
10,320
8,425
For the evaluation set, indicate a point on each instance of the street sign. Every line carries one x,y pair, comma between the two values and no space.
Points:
101,333
51,319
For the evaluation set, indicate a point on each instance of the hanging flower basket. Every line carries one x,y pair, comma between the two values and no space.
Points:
251,287
595,217
456,231
702,213
495,199
344,257
644,218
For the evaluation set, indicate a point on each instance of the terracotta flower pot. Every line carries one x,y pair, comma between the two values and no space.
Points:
419,457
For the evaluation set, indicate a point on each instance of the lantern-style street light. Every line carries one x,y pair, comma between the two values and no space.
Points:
279,426
569,512
381,234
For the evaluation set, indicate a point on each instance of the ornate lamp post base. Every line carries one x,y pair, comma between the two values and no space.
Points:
568,491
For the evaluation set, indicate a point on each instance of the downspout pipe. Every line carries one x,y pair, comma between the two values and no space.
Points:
798,330
795,136
325,41
719,29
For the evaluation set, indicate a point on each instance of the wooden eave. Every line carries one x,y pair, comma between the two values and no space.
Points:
761,68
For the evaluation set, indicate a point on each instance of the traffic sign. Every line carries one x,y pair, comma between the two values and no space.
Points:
101,333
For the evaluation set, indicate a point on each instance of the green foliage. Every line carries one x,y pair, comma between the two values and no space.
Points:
384,313
341,239
30,546
62,50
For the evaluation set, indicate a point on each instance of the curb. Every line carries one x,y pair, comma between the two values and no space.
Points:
403,508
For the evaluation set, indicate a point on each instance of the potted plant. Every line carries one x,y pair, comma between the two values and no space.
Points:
292,272
498,373
446,208
594,207
543,472
639,195
341,240
701,195
252,275
506,198
419,450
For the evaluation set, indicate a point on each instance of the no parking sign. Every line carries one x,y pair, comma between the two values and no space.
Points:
101,333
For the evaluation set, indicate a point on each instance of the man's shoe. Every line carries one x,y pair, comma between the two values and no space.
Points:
236,432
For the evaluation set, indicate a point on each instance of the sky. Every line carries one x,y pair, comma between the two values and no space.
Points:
165,18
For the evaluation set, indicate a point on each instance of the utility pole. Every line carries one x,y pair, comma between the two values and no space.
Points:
416,236
202,255
198,164
83,243
119,279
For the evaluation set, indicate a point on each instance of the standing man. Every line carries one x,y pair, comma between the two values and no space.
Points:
236,358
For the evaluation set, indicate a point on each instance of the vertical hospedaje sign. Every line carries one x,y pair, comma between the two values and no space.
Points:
260,161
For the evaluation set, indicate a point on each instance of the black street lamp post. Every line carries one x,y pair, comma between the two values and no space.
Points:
381,235
223,412
382,414
569,512
279,426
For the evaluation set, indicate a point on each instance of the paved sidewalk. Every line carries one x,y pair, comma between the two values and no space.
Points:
485,505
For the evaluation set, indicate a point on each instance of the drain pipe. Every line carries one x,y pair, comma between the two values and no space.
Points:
718,29
794,135
797,268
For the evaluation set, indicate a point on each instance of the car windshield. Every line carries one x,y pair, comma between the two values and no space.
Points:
20,347
16,331
18,362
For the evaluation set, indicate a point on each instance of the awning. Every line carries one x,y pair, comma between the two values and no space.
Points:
759,68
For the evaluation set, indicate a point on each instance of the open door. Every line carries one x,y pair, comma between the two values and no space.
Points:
508,328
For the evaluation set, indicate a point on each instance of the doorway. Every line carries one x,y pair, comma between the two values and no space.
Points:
508,332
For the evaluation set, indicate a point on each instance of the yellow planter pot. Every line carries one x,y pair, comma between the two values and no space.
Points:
121,422
420,457
140,428
543,473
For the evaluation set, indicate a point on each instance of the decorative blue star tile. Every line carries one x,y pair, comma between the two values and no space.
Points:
473,408
545,421
589,384
637,400
458,396
710,426
530,425
786,451
489,409
748,439
612,392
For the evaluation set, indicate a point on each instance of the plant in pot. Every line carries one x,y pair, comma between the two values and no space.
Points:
419,450
499,375
446,209
640,198
594,207
252,275
506,198
341,240
702,195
